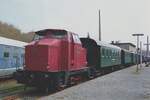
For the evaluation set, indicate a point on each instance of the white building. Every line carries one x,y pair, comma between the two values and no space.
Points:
128,46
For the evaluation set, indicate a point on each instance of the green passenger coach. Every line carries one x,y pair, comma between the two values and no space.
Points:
101,55
127,57
110,55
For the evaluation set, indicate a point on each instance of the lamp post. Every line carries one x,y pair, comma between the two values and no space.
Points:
141,54
138,35
147,45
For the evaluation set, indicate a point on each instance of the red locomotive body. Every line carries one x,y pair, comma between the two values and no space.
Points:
53,56
55,51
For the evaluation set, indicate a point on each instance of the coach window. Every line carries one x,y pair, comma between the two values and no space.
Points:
113,53
102,52
117,54
110,53
107,52
6,54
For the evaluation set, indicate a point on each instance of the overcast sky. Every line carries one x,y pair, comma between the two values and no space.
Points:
119,18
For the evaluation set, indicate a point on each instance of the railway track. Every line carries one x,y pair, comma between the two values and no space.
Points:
13,91
9,88
10,92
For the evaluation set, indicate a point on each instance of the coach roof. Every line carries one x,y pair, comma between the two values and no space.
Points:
101,43
11,42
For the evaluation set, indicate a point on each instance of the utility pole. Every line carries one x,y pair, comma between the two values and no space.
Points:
137,68
99,25
88,35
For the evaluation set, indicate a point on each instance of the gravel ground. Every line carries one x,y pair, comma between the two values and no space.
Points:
126,84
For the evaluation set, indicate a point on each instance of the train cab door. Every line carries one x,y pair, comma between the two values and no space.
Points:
76,52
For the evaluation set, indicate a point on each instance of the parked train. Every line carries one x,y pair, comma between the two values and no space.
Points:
56,58
11,56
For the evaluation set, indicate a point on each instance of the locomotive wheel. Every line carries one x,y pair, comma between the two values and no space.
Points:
91,73
57,83
50,87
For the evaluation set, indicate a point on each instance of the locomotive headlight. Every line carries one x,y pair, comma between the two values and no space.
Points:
31,75
46,75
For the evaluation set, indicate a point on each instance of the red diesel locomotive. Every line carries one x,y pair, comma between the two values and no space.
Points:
54,59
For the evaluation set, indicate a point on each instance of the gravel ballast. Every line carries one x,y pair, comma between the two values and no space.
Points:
126,84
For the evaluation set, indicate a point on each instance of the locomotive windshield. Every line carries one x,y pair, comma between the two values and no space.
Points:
50,34
37,37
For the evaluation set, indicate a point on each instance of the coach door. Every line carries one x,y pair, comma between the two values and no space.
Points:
16,60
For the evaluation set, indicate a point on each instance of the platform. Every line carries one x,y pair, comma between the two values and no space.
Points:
126,84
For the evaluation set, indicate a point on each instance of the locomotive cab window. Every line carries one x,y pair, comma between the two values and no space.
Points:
76,38
50,34
58,35
37,37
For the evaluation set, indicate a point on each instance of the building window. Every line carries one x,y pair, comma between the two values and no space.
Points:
6,54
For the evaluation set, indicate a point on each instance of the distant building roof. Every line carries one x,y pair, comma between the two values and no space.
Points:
11,42
124,44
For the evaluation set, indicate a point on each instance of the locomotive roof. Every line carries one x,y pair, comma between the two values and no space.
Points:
101,43
11,42
41,32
